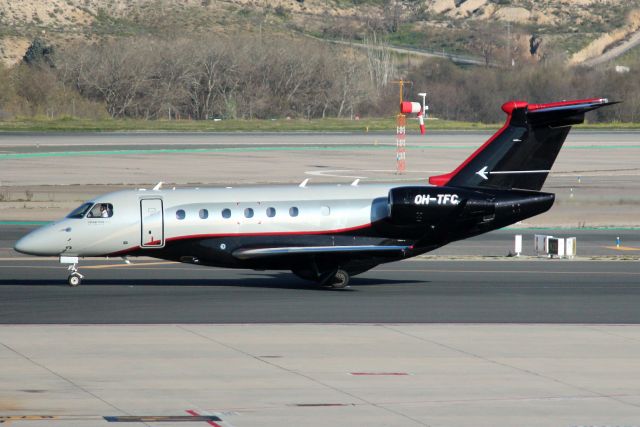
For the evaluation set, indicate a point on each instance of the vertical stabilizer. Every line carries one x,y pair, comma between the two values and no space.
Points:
520,155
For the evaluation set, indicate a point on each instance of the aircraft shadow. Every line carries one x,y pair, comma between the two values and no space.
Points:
267,281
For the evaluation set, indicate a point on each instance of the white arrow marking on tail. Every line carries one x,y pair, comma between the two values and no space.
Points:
484,173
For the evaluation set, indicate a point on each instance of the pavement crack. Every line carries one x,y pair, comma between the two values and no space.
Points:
612,334
65,379
302,375
512,367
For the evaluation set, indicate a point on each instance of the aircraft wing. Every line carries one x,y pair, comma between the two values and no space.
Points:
252,253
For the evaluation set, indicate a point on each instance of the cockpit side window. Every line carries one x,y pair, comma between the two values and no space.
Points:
80,211
101,210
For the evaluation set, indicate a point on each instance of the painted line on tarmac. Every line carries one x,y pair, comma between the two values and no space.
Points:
618,273
211,421
539,272
192,151
142,264
509,228
391,374
15,156
622,248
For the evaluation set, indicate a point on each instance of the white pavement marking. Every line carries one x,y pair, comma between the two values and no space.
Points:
348,173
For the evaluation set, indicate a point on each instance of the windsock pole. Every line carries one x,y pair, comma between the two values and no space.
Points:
401,130
423,113
401,153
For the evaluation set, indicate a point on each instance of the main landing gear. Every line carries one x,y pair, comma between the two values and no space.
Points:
336,280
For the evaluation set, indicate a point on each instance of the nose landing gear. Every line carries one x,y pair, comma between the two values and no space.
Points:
75,277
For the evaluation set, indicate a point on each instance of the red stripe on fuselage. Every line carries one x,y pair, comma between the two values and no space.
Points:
270,233
265,234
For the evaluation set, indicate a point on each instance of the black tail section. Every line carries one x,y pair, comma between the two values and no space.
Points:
520,155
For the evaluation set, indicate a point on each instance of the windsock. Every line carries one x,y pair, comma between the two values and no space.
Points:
410,107
407,107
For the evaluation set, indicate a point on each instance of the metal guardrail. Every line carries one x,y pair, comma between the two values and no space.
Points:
456,58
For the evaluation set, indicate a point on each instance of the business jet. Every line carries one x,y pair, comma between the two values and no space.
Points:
325,233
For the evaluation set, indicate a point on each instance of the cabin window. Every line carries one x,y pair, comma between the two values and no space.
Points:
204,214
325,210
180,214
226,213
271,212
248,213
293,211
101,210
80,211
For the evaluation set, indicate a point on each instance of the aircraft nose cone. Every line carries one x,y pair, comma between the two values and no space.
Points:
43,241
26,245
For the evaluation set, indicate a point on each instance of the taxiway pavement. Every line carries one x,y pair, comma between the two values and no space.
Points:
467,281
400,375
422,291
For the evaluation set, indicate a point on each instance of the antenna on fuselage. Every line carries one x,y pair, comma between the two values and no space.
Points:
303,183
158,186
355,183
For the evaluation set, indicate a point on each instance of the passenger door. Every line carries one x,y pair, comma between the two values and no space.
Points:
152,223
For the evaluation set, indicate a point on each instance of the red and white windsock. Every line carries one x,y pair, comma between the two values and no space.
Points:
407,107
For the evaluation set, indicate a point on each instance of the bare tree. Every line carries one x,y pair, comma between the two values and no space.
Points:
381,62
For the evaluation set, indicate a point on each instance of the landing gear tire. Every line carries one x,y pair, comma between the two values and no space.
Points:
74,280
340,280
332,279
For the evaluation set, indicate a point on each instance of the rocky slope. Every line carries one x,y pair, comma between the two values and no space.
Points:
583,28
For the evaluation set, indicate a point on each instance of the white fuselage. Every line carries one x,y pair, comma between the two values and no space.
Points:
151,218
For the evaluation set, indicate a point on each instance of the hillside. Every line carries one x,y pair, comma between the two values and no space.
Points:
530,29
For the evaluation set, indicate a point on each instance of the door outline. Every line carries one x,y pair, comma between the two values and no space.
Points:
142,224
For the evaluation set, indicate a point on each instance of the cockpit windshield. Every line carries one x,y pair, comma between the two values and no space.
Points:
99,210
80,211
